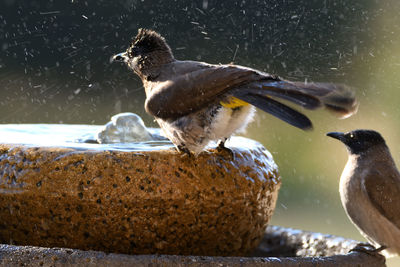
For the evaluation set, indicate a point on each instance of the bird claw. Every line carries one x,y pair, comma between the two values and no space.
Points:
369,249
221,148
184,151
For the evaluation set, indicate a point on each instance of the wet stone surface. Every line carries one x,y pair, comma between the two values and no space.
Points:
135,201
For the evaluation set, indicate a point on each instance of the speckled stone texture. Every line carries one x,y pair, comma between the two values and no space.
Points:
137,202
287,244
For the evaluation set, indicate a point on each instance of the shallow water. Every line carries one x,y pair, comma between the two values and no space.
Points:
72,135
84,137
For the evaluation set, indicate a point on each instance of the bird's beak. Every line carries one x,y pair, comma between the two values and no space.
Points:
121,57
336,135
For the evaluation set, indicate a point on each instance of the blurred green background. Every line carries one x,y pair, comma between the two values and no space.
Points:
54,68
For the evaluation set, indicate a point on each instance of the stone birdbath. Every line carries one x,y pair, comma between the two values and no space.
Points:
71,194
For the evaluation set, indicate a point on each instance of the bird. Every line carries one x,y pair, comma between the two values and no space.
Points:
370,189
195,103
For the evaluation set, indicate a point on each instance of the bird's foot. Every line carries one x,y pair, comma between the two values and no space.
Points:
185,152
222,148
369,249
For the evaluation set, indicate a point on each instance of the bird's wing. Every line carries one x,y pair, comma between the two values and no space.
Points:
335,97
188,86
384,194
185,92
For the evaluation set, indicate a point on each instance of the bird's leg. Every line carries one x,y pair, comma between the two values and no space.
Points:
183,149
369,249
221,147
221,144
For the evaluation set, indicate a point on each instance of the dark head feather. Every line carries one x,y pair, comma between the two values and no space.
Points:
147,41
359,141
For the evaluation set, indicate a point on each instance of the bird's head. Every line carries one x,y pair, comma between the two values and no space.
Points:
359,141
148,49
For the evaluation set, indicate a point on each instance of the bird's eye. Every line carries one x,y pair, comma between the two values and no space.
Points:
133,52
351,135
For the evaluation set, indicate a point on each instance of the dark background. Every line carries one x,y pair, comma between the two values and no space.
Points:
55,54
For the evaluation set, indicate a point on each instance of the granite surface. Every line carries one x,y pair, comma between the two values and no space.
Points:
137,201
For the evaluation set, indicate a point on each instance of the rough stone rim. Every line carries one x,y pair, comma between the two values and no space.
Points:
38,256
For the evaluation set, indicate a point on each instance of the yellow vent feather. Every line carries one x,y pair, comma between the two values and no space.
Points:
234,103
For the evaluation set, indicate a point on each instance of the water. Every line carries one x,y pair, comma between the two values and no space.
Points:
125,128
83,137
73,136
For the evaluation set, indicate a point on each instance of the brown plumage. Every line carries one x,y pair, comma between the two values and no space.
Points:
370,189
195,102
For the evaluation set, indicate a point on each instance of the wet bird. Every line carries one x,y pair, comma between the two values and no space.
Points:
195,102
370,189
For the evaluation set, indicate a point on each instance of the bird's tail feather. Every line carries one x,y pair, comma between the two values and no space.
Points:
279,110
337,98
283,90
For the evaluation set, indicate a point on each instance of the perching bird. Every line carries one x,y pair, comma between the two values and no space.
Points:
195,102
370,189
